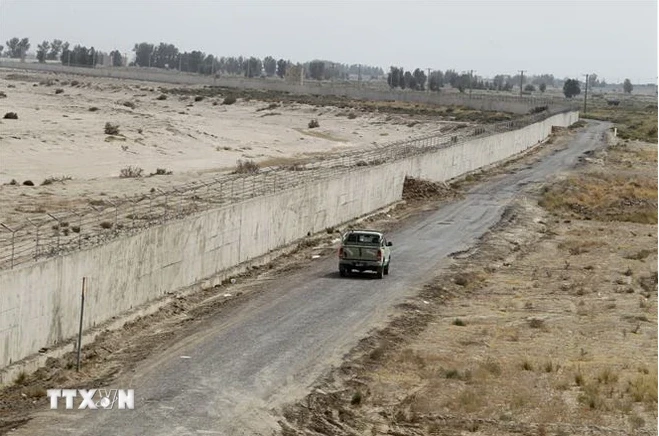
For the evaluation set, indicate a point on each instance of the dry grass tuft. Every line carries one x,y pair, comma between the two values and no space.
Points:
604,196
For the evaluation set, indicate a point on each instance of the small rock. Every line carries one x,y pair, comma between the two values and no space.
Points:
624,280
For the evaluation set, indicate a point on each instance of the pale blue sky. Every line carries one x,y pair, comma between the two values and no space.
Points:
615,39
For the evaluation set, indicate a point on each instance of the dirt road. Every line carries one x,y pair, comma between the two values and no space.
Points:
240,366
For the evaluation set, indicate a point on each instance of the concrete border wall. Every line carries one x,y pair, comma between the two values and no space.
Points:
39,303
518,105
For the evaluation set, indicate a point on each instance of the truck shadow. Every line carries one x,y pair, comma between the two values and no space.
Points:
352,276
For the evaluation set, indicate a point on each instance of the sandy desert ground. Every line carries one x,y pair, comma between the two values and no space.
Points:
60,134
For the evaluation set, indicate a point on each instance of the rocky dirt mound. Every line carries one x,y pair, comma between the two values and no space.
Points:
424,190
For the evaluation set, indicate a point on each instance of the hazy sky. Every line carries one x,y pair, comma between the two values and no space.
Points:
615,39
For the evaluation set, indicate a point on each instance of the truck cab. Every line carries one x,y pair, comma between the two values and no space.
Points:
364,250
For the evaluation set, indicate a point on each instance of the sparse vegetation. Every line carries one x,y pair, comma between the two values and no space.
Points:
269,107
52,179
459,322
111,129
131,172
246,167
10,116
93,109
21,378
352,116
597,195
59,91
162,97
229,99
129,104
106,225
314,124
199,98
162,172
536,323
2,94
28,183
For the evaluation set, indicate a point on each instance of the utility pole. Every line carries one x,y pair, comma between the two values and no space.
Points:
471,82
521,82
585,96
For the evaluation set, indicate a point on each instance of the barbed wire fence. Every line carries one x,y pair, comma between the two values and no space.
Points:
54,234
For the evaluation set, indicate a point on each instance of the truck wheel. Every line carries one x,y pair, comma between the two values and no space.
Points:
386,270
342,271
379,272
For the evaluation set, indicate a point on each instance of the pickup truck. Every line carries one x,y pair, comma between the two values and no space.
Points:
364,250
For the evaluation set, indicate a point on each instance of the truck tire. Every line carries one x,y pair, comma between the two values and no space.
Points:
386,269
342,271
380,272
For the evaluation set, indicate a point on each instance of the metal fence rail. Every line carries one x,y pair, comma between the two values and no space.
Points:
61,233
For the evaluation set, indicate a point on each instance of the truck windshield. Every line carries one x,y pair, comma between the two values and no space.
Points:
363,239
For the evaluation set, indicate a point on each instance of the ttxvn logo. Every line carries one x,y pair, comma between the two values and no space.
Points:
93,398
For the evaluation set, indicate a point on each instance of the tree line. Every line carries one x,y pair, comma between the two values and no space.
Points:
168,56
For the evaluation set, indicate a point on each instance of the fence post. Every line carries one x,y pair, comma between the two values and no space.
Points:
194,199
58,227
13,239
36,245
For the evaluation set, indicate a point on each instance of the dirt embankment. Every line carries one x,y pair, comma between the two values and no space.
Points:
549,327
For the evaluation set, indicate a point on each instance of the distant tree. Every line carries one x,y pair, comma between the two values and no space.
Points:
499,81
529,88
2,47
270,66
627,86
24,46
316,70
282,66
252,67
116,58
592,81
543,87
547,79
66,54
603,83
436,80
571,88
165,56
419,79
78,56
143,54
192,61
450,77
55,49
409,80
14,48
42,51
